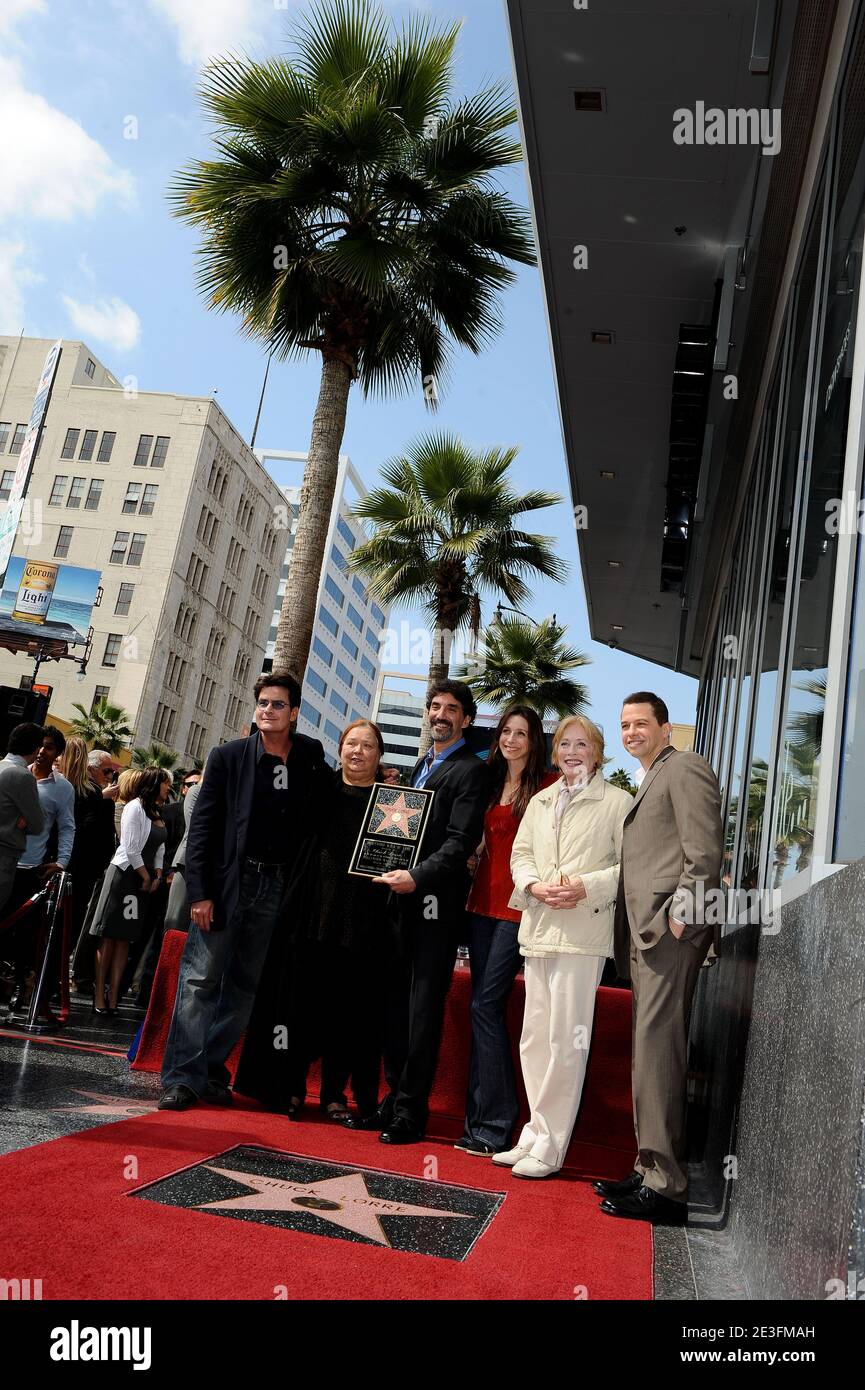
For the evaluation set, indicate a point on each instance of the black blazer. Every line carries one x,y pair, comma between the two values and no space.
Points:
454,829
216,846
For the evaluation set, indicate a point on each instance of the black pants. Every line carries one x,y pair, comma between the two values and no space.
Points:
19,942
420,977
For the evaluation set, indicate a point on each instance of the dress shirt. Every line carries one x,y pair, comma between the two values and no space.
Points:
135,827
57,799
429,765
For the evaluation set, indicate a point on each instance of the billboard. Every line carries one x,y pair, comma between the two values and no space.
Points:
42,596
12,514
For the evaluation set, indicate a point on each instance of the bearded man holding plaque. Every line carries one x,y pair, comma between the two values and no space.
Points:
431,899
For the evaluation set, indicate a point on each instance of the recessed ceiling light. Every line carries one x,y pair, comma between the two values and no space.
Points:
607,475
614,564
590,99
604,337
617,627
628,217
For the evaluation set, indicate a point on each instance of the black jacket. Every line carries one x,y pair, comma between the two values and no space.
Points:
216,846
453,831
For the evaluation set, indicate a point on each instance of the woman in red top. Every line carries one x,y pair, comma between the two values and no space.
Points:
518,768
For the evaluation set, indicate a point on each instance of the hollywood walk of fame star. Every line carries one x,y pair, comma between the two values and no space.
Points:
397,817
344,1202
107,1105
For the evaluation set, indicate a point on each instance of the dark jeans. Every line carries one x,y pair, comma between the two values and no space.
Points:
492,1106
219,974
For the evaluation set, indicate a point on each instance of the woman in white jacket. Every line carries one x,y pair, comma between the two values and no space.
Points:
565,867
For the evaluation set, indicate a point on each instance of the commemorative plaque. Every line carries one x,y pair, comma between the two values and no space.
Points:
392,830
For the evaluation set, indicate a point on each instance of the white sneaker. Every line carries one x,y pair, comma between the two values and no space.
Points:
509,1157
529,1167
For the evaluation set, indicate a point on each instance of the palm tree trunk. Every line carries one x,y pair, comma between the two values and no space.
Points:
297,616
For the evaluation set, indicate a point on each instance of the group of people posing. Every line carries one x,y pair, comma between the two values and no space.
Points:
553,871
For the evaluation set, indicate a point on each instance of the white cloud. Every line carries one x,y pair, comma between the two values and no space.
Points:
12,11
13,279
208,28
107,321
50,167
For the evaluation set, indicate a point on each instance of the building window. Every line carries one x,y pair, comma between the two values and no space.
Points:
377,614
334,590
124,599
5,426
338,558
105,446
338,702
130,501
357,585
64,540
310,714
94,492
118,549
6,484
142,453
316,682
322,652
371,639
362,694
350,647
346,532
159,453
136,549
354,617
331,730
90,367
100,693
58,489
344,674
18,439
68,450
328,621
88,444
76,492
112,648
367,666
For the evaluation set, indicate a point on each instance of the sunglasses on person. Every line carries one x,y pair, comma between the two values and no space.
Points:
274,704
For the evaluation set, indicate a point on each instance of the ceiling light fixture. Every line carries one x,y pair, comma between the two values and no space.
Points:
587,99
603,338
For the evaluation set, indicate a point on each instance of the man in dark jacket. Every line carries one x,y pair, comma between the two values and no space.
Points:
432,899
242,839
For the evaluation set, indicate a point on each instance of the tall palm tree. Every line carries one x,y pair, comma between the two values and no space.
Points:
105,726
526,663
351,210
445,535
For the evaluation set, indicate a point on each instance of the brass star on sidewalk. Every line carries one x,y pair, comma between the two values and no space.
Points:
344,1202
107,1105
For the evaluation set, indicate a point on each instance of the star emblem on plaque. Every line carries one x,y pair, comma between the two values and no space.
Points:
392,830
318,1197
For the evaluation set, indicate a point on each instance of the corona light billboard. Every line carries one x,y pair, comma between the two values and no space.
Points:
44,596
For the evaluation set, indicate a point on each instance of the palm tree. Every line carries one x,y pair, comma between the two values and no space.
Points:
104,726
157,755
351,211
525,663
445,534
620,778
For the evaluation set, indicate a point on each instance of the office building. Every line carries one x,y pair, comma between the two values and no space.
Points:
400,715
343,668
159,492
698,186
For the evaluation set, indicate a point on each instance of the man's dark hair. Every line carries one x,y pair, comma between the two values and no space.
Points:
25,738
459,690
645,697
283,679
50,731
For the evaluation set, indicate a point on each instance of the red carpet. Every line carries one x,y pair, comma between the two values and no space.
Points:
86,1238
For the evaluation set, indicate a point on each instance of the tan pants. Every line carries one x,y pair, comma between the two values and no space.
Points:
663,980
554,1047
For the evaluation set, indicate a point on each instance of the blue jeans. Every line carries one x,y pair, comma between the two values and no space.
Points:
219,974
492,1105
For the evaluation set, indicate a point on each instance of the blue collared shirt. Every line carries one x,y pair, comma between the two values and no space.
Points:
57,798
427,768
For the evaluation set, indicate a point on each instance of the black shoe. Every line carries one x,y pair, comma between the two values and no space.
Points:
647,1205
373,1121
217,1093
177,1098
606,1187
17,998
476,1146
401,1131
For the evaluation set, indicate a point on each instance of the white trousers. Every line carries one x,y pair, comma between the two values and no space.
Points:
554,1047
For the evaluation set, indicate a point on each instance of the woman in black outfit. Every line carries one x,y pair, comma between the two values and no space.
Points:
324,984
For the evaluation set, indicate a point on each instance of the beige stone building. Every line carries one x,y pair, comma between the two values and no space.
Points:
160,493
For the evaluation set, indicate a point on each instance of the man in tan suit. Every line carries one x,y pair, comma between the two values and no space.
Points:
668,901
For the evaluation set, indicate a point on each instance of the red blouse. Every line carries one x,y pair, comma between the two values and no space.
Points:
493,885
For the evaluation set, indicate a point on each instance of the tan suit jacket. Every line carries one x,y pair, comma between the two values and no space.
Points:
672,847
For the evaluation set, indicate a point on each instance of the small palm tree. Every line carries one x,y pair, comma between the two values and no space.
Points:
157,755
104,726
525,663
446,534
620,778
351,210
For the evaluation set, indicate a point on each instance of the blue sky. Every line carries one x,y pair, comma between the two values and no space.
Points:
88,249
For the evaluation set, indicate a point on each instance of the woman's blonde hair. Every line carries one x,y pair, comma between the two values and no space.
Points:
128,783
74,766
592,732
